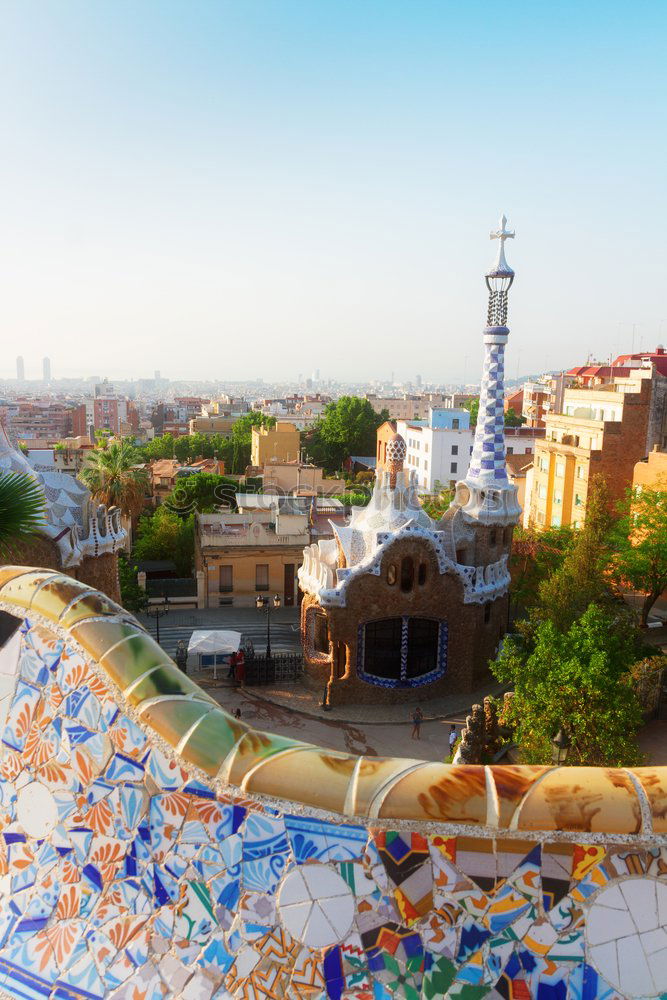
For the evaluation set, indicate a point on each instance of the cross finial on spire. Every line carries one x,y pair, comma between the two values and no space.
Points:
501,234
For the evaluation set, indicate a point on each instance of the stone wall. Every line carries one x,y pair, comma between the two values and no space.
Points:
154,847
99,572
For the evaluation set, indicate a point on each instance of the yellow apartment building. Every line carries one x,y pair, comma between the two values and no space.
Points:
281,443
255,551
215,424
299,479
604,430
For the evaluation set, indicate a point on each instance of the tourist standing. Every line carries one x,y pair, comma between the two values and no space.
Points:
452,740
417,718
233,660
240,667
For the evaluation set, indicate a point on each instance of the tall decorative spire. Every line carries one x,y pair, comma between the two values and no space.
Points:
486,493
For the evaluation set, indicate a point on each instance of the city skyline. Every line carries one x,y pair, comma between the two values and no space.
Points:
262,189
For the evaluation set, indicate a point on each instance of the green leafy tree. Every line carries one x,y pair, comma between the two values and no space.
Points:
513,419
639,545
113,477
347,427
579,580
132,597
535,556
166,535
21,510
201,492
578,680
473,406
102,437
159,447
355,498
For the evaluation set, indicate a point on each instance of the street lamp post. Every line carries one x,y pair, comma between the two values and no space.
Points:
560,746
156,611
264,604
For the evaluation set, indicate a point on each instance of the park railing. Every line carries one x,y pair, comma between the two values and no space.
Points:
274,669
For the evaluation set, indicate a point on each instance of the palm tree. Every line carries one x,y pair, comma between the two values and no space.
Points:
21,509
113,478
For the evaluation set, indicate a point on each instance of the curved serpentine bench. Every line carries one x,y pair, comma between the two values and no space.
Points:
152,845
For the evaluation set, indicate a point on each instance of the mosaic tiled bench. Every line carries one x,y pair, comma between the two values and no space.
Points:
153,846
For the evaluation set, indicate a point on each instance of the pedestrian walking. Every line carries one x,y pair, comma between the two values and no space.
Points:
182,656
452,740
417,718
237,713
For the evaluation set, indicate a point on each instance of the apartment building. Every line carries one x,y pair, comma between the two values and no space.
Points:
114,414
257,550
605,429
439,450
45,419
407,407
281,443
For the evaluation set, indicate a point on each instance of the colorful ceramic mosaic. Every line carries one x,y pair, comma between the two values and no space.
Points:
146,854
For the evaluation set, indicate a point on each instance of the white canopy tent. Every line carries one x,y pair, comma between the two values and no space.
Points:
212,646
214,641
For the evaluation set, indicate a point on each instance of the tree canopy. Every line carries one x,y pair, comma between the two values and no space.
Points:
166,535
578,661
112,476
132,597
347,427
580,578
535,555
202,492
577,680
639,544
512,419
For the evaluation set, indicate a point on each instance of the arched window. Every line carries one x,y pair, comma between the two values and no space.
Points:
402,652
391,574
421,574
487,613
492,536
407,574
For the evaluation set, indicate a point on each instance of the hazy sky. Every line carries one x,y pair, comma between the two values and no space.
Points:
265,187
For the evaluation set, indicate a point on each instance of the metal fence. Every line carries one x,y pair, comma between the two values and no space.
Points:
282,667
172,587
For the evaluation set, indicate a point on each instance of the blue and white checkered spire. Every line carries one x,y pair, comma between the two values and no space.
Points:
487,464
486,496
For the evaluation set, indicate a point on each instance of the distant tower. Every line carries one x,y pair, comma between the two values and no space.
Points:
157,375
419,381
20,369
46,369
486,494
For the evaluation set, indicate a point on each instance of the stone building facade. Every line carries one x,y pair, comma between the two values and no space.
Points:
603,431
397,602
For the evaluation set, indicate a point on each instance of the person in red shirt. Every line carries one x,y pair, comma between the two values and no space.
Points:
240,667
